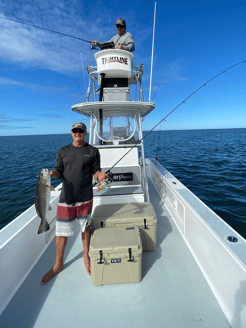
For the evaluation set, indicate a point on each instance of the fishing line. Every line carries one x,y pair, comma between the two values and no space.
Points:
161,83
46,29
79,87
158,143
83,69
183,102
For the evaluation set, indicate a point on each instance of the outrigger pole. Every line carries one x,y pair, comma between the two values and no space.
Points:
152,55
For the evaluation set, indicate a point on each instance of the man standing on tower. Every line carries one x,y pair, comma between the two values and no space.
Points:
123,40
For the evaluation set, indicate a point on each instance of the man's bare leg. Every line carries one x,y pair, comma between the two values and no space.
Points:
86,237
61,243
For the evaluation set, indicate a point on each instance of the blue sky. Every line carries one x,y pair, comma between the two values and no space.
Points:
194,41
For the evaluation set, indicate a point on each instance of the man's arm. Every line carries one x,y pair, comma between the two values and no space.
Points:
127,42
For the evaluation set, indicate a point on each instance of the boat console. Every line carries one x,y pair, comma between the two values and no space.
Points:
116,115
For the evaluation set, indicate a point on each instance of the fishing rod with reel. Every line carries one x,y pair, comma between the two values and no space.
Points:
183,102
102,46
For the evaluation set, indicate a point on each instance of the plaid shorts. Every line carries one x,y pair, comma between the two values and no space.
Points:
67,215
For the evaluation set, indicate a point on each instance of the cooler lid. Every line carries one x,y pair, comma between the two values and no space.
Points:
125,212
113,240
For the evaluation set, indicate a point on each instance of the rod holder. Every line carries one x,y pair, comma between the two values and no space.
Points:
232,239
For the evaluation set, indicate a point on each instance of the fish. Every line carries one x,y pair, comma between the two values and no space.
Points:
42,199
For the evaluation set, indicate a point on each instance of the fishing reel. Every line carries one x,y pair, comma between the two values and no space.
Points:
107,45
103,46
93,48
103,184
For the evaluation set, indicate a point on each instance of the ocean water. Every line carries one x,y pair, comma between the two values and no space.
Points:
211,163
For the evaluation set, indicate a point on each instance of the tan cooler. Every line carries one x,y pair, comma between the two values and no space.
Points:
141,215
116,256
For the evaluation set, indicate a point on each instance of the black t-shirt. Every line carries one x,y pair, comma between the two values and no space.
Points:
77,165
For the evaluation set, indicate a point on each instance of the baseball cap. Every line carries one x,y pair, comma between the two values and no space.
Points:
120,21
79,125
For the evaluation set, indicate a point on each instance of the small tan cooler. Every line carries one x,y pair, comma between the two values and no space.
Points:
116,256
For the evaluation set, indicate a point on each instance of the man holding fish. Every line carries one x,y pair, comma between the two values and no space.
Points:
75,164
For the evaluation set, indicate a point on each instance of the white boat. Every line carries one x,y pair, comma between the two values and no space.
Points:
196,277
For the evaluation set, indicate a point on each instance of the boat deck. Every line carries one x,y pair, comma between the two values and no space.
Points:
173,292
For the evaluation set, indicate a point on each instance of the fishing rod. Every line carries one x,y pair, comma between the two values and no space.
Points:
183,102
200,86
46,29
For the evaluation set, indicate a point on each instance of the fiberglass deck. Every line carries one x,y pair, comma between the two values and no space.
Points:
172,294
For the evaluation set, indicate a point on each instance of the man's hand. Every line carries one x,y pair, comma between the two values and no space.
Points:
54,174
95,43
102,176
120,46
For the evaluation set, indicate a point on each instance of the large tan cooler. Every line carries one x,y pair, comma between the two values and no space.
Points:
116,256
141,215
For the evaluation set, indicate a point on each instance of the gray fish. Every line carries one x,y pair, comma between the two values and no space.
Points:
42,198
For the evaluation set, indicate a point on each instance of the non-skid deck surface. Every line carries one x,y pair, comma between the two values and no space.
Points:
172,294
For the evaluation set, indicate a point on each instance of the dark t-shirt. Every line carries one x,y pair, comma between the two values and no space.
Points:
77,165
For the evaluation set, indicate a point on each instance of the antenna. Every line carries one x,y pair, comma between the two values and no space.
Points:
152,56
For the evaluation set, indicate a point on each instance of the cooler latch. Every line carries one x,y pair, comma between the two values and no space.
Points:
101,257
145,225
130,255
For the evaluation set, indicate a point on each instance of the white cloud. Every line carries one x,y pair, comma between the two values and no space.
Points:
51,115
37,48
175,71
33,86
30,46
4,126
15,120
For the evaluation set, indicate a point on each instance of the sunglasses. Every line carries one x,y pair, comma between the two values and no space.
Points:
120,26
78,130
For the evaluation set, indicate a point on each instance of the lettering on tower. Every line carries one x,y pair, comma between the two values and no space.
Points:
115,59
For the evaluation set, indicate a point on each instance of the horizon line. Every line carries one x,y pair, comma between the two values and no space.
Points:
52,134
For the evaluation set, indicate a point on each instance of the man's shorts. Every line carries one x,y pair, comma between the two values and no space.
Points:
67,215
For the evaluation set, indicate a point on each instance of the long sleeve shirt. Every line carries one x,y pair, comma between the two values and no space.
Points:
126,40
